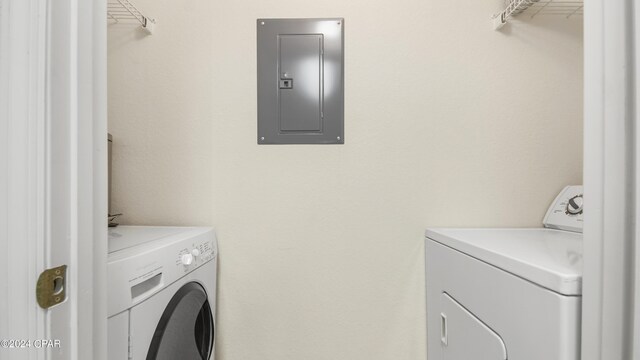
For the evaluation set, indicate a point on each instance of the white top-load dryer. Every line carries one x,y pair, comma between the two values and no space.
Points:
497,294
161,293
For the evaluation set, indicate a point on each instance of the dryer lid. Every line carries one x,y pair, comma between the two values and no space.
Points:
547,257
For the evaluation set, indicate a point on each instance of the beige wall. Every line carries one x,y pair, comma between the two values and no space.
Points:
447,123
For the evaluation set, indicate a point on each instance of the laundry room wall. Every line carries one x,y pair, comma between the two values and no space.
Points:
447,123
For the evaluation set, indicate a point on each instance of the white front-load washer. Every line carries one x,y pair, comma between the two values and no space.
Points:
161,293
497,294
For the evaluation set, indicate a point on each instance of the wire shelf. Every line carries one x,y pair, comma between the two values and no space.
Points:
125,11
533,8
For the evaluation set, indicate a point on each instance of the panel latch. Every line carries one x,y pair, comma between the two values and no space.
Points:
286,83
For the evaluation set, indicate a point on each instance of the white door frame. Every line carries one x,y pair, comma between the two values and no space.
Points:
635,296
611,182
22,217
53,202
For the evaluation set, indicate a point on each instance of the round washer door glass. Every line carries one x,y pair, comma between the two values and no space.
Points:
186,329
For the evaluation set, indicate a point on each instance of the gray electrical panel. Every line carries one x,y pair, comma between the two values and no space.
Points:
300,81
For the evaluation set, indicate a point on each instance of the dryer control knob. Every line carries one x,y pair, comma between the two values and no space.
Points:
574,205
195,252
187,259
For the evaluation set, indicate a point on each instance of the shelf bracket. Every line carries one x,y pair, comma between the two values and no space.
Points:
514,8
125,11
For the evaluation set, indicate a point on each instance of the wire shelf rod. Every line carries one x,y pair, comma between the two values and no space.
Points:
533,8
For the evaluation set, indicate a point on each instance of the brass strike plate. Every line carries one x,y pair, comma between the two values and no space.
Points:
51,287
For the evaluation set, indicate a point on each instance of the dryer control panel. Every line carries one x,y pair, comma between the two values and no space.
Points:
566,213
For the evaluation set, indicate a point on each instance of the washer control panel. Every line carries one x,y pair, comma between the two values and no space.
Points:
190,257
565,212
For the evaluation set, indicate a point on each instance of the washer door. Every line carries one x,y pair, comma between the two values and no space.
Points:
186,329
